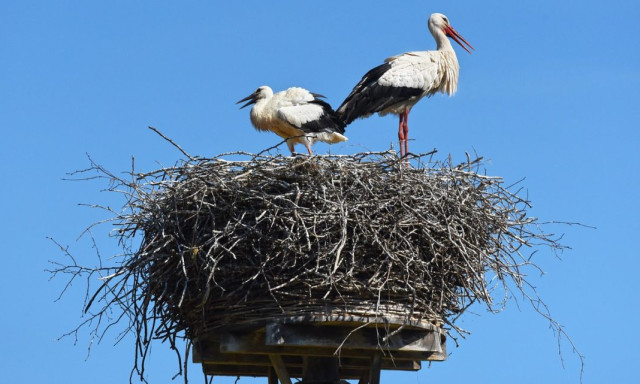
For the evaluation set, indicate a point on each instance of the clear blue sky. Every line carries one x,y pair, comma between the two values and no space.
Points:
551,94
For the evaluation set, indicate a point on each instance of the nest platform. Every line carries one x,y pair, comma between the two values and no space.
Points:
320,348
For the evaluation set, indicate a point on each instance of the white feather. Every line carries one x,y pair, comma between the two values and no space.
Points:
298,115
431,71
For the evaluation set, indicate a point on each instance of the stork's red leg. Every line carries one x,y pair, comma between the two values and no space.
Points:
406,131
401,136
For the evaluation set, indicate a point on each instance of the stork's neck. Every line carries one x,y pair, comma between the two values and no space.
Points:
448,63
259,107
442,41
260,116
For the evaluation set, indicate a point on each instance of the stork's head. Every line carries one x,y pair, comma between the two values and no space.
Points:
439,23
260,93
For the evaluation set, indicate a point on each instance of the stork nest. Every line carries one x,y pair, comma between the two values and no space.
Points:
223,241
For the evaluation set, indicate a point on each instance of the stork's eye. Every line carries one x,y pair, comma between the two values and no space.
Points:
445,20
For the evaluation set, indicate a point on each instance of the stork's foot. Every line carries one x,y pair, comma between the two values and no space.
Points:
298,154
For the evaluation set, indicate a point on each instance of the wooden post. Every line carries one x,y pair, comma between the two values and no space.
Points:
364,378
273,377
374,371
320,370
280,368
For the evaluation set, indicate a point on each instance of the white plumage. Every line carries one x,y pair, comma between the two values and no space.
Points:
296,115
398,84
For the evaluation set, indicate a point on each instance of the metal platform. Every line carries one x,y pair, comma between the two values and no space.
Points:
319,349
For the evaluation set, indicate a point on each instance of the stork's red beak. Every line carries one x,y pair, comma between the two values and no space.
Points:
452,33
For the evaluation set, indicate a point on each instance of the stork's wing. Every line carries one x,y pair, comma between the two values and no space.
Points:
418,70
315,116
296,96
401,78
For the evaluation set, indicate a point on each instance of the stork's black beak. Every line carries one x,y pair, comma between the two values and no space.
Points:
252,99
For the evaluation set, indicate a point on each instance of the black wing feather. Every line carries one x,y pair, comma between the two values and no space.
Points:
329,121
369,97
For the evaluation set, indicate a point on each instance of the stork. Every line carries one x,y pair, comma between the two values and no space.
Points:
398,84
296,115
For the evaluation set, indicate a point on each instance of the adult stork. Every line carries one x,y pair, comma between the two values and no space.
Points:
296,115
398,84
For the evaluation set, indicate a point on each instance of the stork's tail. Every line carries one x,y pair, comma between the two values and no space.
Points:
336,138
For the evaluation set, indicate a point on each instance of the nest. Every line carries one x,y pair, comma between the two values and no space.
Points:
229,241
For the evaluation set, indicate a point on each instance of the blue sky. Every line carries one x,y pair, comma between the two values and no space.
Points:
549,95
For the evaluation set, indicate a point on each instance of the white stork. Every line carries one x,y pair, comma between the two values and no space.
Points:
296,115
399,83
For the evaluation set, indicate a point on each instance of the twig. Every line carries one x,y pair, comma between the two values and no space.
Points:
172,143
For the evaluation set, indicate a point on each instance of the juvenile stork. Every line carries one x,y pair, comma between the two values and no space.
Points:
296,115
399,83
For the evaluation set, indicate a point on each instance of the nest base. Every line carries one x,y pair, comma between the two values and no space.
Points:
299,346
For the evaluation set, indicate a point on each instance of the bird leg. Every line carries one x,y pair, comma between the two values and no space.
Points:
401,136
290,145
308,149
406,131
